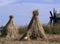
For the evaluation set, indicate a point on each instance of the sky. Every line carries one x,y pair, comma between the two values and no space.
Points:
22,10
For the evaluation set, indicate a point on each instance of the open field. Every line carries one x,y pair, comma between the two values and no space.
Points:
52,39
53,35
28,42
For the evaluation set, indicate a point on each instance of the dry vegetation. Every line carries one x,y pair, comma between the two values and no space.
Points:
52,33
53,38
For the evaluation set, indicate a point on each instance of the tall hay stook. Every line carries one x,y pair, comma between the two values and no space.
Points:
10,30
35,30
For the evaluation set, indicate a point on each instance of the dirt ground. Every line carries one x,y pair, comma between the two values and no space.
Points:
28,42
52,39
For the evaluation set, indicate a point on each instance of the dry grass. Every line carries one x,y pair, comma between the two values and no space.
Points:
28,42
52,39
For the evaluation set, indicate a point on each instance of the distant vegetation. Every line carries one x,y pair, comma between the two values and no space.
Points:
22,29
48,29
52,29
